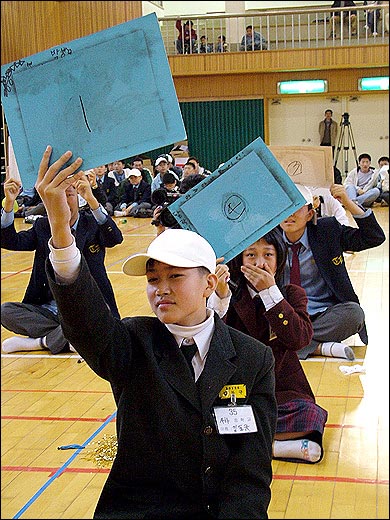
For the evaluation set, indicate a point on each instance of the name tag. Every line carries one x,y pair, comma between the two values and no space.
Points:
235,419
228,390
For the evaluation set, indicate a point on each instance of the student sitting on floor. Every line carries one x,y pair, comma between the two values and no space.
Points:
37,315
277,316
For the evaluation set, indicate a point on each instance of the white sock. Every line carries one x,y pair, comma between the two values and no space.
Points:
297,449
16,344
334,349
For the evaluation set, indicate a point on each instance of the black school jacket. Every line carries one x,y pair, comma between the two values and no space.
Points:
92,240
171,461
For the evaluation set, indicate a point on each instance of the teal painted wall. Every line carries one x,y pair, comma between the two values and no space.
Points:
217,130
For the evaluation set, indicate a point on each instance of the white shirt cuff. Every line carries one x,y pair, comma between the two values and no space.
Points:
219,305
271,296
66,262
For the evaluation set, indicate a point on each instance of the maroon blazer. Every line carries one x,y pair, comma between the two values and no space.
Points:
286,328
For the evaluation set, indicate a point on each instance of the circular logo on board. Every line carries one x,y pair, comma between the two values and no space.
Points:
234,207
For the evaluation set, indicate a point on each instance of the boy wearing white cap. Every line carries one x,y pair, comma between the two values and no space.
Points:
194,437
332,302
162,166
136,195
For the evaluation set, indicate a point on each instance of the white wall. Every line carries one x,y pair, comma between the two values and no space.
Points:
150,7
185,8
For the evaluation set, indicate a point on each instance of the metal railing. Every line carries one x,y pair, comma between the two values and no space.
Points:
279,29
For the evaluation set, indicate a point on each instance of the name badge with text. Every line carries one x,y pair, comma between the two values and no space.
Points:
235,419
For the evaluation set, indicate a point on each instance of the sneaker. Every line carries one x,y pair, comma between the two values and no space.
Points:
336,349
375,34
119,214
349,353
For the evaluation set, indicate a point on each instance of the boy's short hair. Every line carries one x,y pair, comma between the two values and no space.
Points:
190,181
168,178
176,247
383,158
189,163
364,156
193,158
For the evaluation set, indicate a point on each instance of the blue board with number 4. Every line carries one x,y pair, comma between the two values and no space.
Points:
240,202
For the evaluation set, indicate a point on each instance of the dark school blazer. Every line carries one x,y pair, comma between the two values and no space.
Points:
109,189
142,194
286,328
171,461
92,240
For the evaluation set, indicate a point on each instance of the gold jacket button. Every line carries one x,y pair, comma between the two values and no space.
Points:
280,315
285,322
208,430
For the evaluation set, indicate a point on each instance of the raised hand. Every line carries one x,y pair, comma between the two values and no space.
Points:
91,174
84,189
339,192
11,190
222,271
260,277
51,185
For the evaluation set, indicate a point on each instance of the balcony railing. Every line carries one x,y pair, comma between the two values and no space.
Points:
280,29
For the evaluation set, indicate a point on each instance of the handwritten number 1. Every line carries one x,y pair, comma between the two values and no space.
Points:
84,114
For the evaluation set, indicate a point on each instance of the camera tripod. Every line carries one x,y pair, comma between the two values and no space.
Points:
345,139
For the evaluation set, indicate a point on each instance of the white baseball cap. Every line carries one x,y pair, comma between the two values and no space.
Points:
134,172
159,160
307,194
177,247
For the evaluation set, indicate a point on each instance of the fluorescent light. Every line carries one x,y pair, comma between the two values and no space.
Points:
310,86
377,83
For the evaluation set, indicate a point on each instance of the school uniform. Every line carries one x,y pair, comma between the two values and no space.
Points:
328,241
333,305
91,238
109,188
171,460
139,193
286,328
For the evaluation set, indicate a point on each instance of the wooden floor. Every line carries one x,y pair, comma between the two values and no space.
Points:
50,401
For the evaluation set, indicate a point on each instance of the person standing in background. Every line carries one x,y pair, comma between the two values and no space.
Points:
328,130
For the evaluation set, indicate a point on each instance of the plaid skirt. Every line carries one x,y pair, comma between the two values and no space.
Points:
301,415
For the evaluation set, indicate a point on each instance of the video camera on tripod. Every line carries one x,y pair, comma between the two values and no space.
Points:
345,119
346,141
